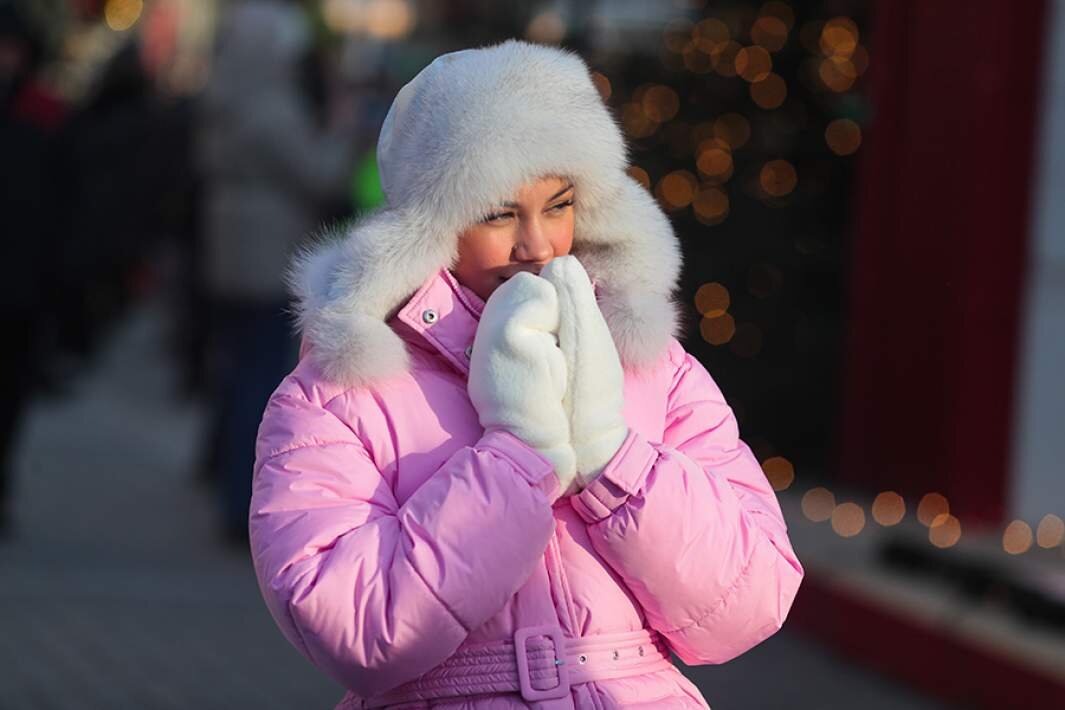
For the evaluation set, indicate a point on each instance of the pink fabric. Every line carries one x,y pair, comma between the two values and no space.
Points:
390,532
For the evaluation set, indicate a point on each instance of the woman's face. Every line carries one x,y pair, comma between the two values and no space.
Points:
523,234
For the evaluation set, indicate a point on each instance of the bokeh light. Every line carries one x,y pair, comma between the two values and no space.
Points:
931,505
779,472
602,84
723,58
120,15
818,504
677,189
1050,532
769,32
753,63
770,92
547,27
640,175
712,299
945,530
732,128
711,204
1017,537
837,73
660,103
843,136
777,178
718,330
839,37
714,160
889,508
848,519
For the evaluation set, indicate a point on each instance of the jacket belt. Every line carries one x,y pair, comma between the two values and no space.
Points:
545,670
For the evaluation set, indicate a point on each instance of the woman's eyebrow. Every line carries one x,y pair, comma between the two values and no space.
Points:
561,192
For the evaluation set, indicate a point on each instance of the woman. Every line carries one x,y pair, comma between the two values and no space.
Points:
480,487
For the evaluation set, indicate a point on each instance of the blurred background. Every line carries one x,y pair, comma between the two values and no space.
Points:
869,198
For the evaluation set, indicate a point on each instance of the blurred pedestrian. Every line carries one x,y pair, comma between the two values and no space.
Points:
270,169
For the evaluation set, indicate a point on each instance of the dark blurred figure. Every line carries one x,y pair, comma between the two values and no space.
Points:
113,178
28,119
270,171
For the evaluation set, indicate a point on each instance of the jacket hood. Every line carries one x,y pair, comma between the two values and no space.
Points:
460,138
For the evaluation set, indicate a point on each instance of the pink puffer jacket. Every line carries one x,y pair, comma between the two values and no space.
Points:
425,564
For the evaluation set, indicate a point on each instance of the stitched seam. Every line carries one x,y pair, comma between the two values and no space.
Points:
728,592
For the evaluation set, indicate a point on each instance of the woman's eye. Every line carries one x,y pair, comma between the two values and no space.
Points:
561,205
499,217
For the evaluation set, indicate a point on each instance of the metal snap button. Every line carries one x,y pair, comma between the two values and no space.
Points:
616,654
429,315
582,658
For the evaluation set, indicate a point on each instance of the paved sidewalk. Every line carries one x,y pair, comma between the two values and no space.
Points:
116,594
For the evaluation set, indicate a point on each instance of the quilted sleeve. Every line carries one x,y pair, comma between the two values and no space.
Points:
694,528
373,592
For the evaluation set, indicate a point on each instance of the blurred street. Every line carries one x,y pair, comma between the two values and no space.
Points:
118,594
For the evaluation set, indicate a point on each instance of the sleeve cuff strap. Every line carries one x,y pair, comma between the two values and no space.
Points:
622,477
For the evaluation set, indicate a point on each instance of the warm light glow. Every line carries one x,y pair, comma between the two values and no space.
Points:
1017,538
120,15
843,136
640,175
781,11
770,92
719,330
888,508
931,505
677,189
343,16
777,178
709,34
945,530
818,504
636,122
848,519
389,19
602,83
711,205
733,129
696,60
779,472
712,299
837,73
753,63
715,161
1050,531
769,32
660,103
677,35
839,37
724,58
546,28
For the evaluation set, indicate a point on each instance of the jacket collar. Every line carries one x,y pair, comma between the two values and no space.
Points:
444,314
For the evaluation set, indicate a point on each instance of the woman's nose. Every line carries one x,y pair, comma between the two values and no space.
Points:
533,243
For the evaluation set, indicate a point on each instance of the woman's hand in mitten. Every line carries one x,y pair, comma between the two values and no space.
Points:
518,374
595,395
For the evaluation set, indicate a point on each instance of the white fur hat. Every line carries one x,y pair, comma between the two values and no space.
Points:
459,139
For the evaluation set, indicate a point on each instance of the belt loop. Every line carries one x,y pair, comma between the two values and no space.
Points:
524,679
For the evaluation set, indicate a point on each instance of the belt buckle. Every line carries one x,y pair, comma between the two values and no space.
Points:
527,691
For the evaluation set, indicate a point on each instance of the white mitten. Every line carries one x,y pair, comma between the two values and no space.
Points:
595,395
518,374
